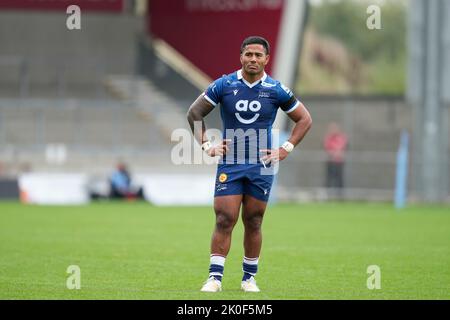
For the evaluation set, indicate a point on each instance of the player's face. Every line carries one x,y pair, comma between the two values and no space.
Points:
254,59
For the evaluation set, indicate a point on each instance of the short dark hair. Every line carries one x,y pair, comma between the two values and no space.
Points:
256,40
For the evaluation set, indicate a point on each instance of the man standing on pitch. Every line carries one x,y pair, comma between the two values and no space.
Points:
249,100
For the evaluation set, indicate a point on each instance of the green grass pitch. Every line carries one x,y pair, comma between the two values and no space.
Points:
138,251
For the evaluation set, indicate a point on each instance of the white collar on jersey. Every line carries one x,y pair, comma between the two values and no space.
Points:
251,85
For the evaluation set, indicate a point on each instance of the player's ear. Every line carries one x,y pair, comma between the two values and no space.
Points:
267,59
240,58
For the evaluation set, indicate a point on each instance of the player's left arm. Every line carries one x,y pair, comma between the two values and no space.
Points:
303,121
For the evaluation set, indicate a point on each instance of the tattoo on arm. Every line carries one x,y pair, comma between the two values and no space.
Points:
199,109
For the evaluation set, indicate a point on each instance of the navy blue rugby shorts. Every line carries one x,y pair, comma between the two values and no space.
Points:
234,179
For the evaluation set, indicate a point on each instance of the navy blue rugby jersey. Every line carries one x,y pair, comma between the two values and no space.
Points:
248,111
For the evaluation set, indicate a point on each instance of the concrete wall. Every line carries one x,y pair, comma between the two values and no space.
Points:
373,127
372,124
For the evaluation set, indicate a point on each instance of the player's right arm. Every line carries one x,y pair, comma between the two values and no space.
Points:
198,110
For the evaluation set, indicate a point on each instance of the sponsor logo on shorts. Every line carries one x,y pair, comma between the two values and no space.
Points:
223,177
221,187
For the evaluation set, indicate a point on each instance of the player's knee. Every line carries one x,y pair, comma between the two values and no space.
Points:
224,221
253,222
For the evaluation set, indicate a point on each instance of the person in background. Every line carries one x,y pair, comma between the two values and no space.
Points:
335,145
121,186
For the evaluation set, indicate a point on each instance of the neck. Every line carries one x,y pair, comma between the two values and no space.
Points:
251,78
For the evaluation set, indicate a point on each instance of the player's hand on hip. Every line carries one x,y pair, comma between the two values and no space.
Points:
273,155
220,149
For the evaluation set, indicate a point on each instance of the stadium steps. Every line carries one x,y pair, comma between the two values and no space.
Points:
81,124
90,132
152,103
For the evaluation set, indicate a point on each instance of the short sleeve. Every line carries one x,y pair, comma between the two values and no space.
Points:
286,99
214,92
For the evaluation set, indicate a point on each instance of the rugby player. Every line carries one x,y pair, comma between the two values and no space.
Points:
248,100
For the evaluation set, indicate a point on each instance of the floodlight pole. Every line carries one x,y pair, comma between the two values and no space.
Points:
426,94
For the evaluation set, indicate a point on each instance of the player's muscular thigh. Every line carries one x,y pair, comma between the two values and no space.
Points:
253,212
227,211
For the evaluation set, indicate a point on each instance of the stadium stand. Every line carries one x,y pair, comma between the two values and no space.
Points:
56,88
107,94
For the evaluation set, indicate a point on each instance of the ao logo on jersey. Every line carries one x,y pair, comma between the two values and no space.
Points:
244,105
